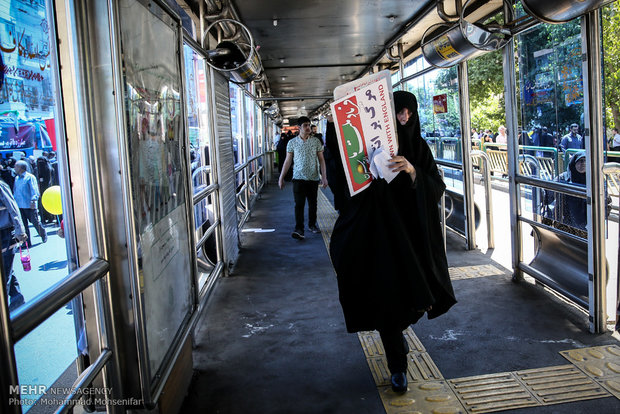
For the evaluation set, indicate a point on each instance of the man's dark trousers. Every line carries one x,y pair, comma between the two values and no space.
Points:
303,190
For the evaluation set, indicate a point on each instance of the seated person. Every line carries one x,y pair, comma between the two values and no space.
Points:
569,213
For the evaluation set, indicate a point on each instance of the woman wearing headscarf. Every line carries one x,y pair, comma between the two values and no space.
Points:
568,210
387,247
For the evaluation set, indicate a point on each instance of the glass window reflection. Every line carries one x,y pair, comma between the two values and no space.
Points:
28,139
438,108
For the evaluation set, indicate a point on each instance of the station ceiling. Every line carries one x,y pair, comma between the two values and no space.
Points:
308,48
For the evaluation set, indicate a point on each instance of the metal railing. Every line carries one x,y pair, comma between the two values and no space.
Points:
253,182
486,176
487,190
29,316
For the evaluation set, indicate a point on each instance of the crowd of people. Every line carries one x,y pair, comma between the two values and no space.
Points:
537,137
22,181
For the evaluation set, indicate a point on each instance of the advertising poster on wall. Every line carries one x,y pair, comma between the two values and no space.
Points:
26,93
156,142
440,104
363,114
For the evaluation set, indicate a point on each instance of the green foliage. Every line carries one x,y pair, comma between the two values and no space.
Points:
611,63
551,76
486,91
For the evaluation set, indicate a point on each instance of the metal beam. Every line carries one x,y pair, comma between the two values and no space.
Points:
514,191
468,173
593,117
292,98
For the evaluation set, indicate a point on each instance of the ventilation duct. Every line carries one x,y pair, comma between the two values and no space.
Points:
446,44
235,57
560,11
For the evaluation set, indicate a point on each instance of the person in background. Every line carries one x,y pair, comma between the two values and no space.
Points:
387,246
315,133
546,139
306,152
11,227
44,174
26,193
615,140
501,137
569,213
572,140
474,134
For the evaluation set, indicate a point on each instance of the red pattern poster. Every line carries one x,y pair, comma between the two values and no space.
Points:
364,120
440,104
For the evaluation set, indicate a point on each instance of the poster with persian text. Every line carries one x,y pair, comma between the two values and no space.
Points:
364,121
156,143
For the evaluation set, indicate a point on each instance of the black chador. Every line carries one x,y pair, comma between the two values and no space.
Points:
387,246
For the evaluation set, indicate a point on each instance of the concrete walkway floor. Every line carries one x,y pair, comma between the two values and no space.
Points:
273,338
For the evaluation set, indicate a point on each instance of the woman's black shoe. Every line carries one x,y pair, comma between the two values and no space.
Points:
399,382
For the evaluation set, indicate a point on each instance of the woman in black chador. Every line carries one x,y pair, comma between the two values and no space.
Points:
387,247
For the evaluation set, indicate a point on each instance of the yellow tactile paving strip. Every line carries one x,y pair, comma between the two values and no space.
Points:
593,373
601,363
470,272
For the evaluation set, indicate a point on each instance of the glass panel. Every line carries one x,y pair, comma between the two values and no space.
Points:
39,365
258,116
207,255
236,125
156,140
486,102
611,90
236,116
31,189
551,99
250,133
196,92
537,204
440,124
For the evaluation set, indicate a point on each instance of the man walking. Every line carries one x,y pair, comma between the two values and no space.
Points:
26,192
11,226
306,151
572,140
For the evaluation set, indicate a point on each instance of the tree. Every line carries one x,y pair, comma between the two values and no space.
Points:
611,63
486,91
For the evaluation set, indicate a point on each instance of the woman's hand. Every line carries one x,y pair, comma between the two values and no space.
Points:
400,163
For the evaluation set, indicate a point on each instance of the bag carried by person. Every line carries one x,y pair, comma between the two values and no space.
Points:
25,258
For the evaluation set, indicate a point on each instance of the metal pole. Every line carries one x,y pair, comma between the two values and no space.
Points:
488,193
593,111
514,191
401,58
442,212
9,382
468,181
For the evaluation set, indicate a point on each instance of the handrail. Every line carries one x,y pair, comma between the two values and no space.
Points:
84,380
611,168
487,190
205,168
36,311
247,163
251,184
560,187
443,212
207,233
204,193
449,164
488,195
